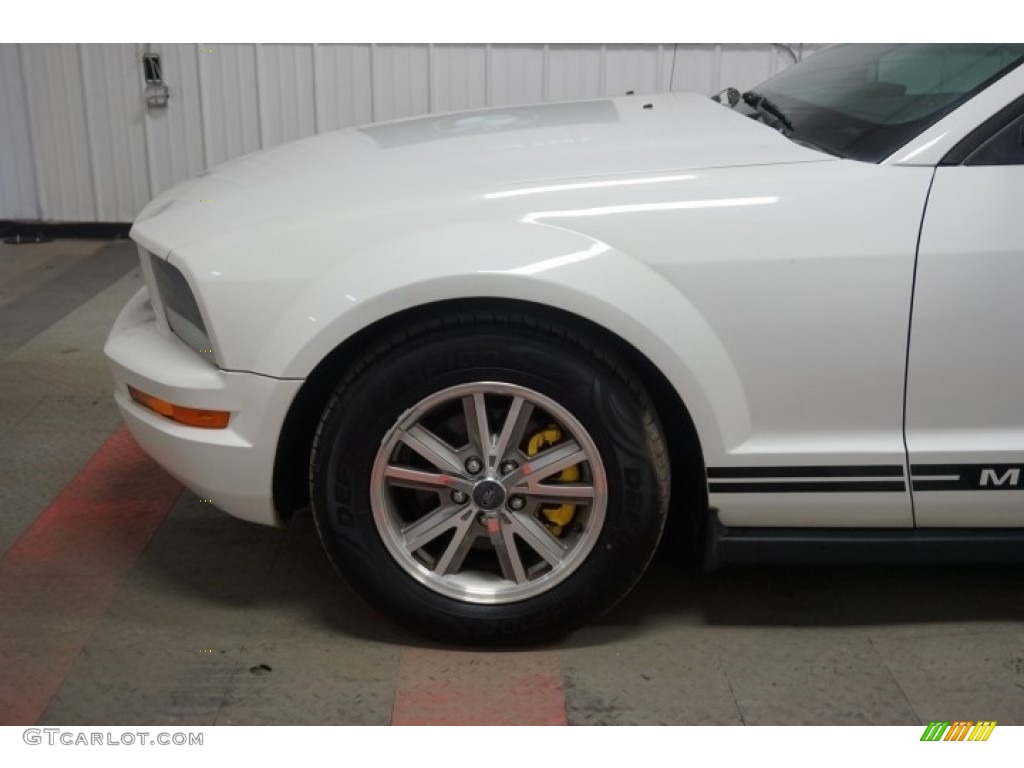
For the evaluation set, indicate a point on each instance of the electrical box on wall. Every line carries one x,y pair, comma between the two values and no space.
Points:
157,92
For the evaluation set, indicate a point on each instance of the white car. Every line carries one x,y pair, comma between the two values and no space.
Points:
494,350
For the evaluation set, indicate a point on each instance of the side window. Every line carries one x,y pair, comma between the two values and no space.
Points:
1006,147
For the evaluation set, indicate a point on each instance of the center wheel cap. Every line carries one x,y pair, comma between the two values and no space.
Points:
488,495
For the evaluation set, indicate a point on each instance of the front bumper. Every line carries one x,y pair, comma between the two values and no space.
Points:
231,467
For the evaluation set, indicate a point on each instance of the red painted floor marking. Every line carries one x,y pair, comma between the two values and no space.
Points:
59,577
478,688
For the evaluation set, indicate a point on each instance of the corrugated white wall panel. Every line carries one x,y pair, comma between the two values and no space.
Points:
18,198
746,67
114,112
344,86
518,73
230,101
574,72
710,68
401,81
60,140
458,77
286,92
696,68
174,134
637,68
77,135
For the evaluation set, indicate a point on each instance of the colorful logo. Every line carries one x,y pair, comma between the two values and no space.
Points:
960,730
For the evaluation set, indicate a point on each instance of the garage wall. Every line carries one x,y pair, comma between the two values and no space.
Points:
79,143
18,192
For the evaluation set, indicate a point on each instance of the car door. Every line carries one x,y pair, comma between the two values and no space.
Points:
965,377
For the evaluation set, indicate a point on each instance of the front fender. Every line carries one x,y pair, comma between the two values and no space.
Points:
522,261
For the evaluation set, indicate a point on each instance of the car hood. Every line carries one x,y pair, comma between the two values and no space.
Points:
459,158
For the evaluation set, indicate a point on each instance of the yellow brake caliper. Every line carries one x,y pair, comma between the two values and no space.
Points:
561,515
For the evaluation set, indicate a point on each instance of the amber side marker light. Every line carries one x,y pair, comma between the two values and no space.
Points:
193,417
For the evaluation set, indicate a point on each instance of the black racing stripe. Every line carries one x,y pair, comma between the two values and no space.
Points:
937,469
968,477
862,486
949,485
872,470
953,469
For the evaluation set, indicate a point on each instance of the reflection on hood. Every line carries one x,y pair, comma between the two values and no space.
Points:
486,121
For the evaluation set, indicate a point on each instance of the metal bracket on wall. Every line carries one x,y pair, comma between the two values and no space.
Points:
157,92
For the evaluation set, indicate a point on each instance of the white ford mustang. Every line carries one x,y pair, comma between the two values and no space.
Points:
494,350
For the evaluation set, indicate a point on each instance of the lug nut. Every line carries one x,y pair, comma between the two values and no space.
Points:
473,465
507,467
459,497
516,503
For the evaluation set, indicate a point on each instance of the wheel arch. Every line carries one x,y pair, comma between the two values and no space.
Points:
290,480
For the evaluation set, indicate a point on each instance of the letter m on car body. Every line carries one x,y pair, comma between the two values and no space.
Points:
991,477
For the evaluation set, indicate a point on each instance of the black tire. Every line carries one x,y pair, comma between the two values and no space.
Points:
561,379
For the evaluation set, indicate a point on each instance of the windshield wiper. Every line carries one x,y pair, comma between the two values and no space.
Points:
767,110
769,113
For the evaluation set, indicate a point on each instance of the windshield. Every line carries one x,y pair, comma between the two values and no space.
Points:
866,101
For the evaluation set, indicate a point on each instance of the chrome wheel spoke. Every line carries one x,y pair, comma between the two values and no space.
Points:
457,549
512,431
477,429
545,464
432,448
537,538
503,541
434,524
417,479
564,492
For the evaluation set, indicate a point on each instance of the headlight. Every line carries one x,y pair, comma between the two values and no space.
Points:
180,307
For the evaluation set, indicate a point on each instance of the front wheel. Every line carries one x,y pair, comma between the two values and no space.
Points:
490,480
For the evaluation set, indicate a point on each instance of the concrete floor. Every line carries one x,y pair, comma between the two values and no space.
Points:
213,621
